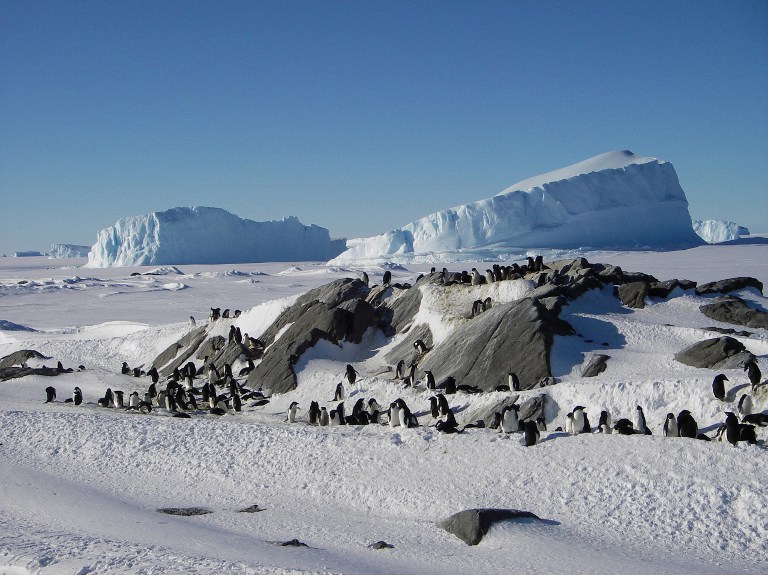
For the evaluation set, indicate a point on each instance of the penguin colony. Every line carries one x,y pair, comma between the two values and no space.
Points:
192,390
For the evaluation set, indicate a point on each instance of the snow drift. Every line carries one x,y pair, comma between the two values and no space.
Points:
717,231
616,200
202,235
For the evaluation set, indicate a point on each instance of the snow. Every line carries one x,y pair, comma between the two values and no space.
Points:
202,235
82,485
617,200
717,231
63,251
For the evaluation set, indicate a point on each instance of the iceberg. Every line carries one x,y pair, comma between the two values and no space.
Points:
68,251
617,200
204,235
717,231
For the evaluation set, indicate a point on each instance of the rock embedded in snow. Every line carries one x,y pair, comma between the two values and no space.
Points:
616,200
203,235
595,365
633,294
718,231
471,525
732,309
716,353
729,285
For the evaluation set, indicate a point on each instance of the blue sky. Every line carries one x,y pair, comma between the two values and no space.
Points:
363,116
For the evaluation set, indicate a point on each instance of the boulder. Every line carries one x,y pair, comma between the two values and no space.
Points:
717,353
405,350
729,285
180,351
471,525
516,335
663,289
732,309
633,294
595,365
20,357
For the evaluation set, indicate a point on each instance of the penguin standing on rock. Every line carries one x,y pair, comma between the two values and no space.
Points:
718,386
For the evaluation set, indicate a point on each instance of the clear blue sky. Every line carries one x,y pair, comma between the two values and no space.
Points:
360,116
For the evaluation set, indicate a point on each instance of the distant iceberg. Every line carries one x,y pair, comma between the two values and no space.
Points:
68,251
616,200
203,235
716,231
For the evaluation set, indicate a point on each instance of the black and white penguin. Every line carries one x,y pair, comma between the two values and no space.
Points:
745,404
364,279
429,380
237,403
604,423
624,427
531,433
77,396
192,322
448,385
477,279
686,424
292,411
407,419
514,381
670,426
760,419
448,425
640,425
442,403
394,414
351,374
323,418
541,423
747,434
334,417
400,369
373,406
753,372
569,422
50,394
578,419
510,422
108,400
420,346
314,412
718,386
434,408
133,400
386,278
118,399
732,431
488,277
338,394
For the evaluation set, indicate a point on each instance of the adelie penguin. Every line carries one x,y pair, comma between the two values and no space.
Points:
293,409
604,423
50,394
640,426
77,396
531,433
686,424
670,426
338,395
718,386
732,431
753,372
351,374
510,422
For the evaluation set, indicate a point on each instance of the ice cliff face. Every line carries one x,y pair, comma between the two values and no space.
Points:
716,231
201,235
68,251
616,200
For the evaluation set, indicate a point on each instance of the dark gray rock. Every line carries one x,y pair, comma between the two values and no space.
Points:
179,352
595,365
184,511
515,336
335,312
663,289
20,357
486,412
732,309
396,307
633,294
15,372
532,408
405,350
471,525
729,285
730,331
381,545
717,353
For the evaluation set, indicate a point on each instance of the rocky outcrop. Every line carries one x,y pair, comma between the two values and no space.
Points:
515,336
471,525
729,285
717,353
665,288
732,309
595,365
633,294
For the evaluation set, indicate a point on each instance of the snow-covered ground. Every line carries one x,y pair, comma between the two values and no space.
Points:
82,485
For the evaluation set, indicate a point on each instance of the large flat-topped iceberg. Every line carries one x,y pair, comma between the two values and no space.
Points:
617,200
201,235
717,231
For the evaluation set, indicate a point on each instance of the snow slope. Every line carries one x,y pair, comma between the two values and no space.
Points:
202,235
82,485
617,200
716,231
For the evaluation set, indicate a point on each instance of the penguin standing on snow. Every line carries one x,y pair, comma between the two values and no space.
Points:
442,403
604,423
640,426
531,433
753,372
292,409
718,386
732,431
323,418
314,412
351,374
514,381
77,396
430,378
670,426
578,419
686,424
510,423
338,395
50,394
745,404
